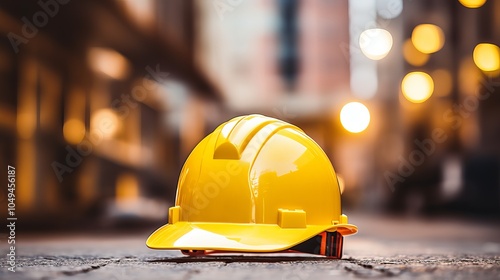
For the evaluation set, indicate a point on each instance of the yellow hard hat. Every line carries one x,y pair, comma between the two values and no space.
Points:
256,184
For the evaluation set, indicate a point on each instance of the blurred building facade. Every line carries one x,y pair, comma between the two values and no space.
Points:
89,91
103,100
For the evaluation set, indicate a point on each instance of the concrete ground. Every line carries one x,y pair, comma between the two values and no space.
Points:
384,248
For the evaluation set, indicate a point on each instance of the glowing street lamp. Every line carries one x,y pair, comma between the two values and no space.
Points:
417,86
375,43
427,38
487,57
355,117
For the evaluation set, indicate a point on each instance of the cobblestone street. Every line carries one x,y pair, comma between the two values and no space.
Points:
452,250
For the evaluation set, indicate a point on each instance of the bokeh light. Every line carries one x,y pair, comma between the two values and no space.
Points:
427,38
472,3
105,122
412,55
389,9
355,117
375,43
109,62
487,57
127,188
74,131
417,86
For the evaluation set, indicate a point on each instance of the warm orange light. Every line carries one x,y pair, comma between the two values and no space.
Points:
109,62
74,131
26,167
417,86
26,124
142,11
355,117
487,57
127,189
412,55
472,3
26,112
427,38
105,122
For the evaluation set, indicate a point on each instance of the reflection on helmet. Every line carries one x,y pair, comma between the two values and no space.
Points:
256,184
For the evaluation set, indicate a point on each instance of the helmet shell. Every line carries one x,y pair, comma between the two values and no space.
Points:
254,184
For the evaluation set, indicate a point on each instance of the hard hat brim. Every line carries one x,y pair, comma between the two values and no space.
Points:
236,237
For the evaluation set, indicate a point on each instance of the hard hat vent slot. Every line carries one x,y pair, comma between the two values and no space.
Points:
235,135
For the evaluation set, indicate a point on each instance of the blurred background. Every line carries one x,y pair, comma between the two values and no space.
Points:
102,101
